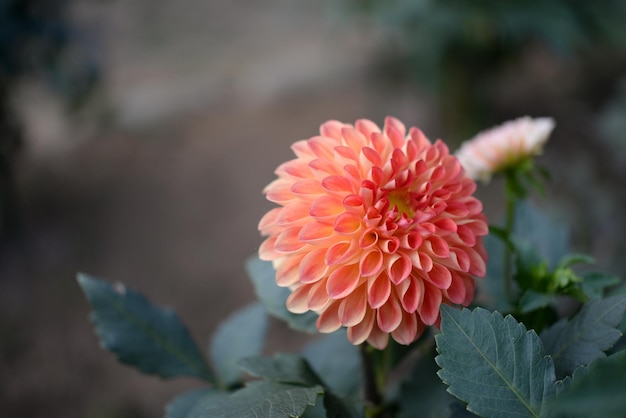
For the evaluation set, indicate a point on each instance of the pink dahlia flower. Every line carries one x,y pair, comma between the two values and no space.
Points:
504,146
375,230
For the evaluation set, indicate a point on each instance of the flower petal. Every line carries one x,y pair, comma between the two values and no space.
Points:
353,307
440,276
343,281
312,267
347,223
371,263
314,232
269,219
389,316
267,251
413,295
287,271
378,290
328,321
429,311
288,241
409,329
360,332
297,300
338,184
307,187
400,267
377,338
292,214
456,291
325,207
332,129
341,252
318,297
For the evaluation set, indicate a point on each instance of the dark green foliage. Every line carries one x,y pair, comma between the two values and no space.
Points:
586,336
240,335
264,398
192,404
152,339
423,394
597,391
494,364
283,368
337,363
273,297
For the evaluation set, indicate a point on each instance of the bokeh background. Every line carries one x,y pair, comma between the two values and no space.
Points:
136,137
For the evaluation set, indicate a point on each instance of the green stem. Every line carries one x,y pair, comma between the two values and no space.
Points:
374,374
509,223
372,394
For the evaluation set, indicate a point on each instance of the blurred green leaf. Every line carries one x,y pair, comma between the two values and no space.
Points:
572,259
193,403
264,399
423,394
546,235
494,283
531,270
152,339
240,335
595,282
532,300
586,336
343,407
598,392
274,297
283,368
315,411
494,364
337,362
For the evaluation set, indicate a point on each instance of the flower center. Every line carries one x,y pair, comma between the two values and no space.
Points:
402,200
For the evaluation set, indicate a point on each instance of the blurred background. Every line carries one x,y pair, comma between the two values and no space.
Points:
136,137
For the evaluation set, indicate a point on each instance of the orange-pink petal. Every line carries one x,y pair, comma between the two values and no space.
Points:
374,230
378,290
371,263
353,307
343,281
389,316
312,267
429,311
328,321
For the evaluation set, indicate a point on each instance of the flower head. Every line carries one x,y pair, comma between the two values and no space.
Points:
374,231
504,146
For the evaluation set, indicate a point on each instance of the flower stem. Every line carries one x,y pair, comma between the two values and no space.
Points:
509,223
374,382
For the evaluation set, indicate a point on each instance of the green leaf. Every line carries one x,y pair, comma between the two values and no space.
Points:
549,236
283,368
599,392
586,336
595,282
532,300
193,403
493,364
494,285
240,335
531,271
423,394
152,339
337,362
274,297
572,259
264,399
339,407
315,411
